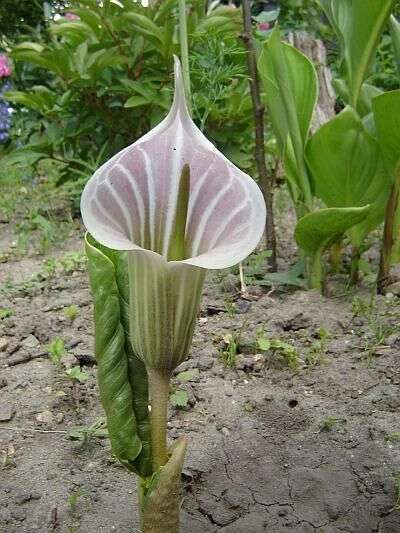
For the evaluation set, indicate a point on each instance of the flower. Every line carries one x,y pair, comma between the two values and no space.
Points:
178,207
71,16
5,69
264,26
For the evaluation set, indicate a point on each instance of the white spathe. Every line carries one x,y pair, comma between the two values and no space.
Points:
130,201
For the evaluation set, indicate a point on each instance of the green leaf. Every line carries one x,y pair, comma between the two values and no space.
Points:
359,25
5,313
318,230
290,93
367,93
136,101
188,375
395,32
386,109
145,26
179,398
107,277
263,344
75,374
346,164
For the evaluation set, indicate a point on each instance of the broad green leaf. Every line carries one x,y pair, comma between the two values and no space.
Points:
395,31
318,230
290,93
359,25
346,165
116,390
386,108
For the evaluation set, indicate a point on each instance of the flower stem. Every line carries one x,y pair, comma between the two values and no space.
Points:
183,39
159,392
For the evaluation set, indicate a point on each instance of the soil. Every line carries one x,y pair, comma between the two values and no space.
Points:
271,449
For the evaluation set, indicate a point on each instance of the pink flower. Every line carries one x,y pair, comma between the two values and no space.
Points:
264,26
71,16
5,69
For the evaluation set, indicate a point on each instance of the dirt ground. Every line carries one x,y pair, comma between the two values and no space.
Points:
271,449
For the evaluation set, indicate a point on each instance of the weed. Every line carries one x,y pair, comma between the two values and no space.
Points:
74,498
179,399
392,437
328,423
284,350
230,350
396,478
71,312
315,354
5,313
230,307
75,374
85,434
8,460
56,350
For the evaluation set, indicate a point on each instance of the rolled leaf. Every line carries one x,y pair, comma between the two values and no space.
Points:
290,93
359,25
386,109
117,397
395,32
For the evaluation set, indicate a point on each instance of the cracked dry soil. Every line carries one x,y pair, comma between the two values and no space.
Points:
260,458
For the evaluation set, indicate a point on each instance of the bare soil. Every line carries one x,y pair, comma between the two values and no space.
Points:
270,449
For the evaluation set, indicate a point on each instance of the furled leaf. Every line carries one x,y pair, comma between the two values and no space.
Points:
346,165
386,108
395,31
359,25
318,230
290,93
112,360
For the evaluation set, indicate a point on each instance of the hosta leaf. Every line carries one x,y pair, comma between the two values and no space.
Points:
349,173
290,93
318,230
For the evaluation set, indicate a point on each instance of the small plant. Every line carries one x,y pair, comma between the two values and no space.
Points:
5,313
75,374
284,350
392,437
71,312
328,423
396,478
179,399
73,500
315,354
56,350
230,350
85,434
230,307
